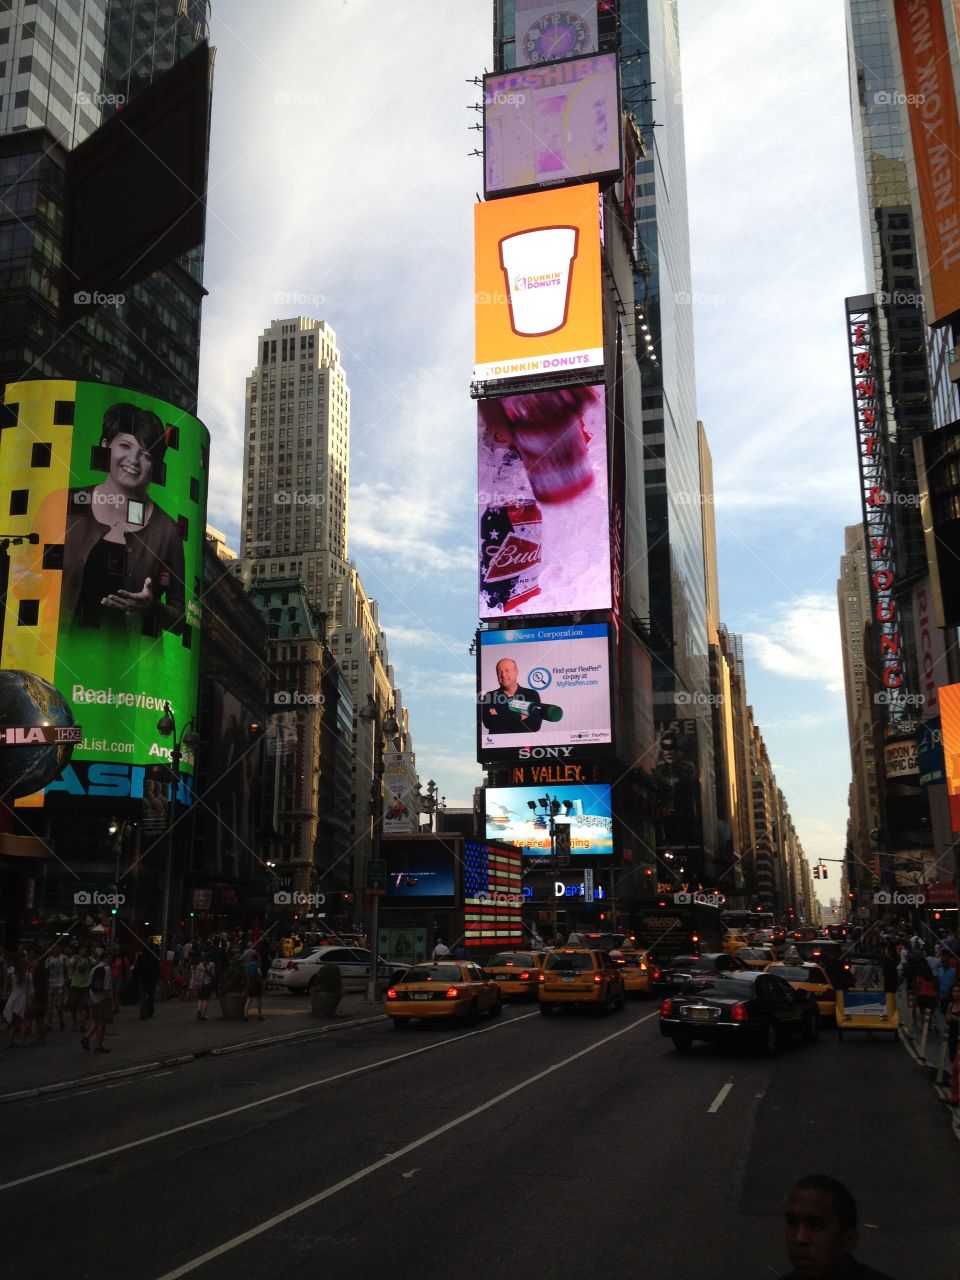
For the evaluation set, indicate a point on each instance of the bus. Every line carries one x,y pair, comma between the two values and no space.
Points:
746,923
669,928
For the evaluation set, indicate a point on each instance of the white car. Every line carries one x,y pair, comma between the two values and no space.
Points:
293,973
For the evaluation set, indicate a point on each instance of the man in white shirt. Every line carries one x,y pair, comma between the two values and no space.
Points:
440,949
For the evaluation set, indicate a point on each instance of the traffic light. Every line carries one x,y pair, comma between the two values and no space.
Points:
816,873
938,915
823,873
346,897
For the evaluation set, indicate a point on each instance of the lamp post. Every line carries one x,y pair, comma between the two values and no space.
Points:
387,726
167,727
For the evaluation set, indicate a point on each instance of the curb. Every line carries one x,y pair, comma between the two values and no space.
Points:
217,1051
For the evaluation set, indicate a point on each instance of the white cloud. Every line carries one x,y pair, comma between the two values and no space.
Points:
802,642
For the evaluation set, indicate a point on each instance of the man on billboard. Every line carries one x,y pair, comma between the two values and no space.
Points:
121,552
511,708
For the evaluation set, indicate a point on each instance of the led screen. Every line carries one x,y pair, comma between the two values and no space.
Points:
550,124
106,604
537,284
543,506
521,815
419,869
544,32
541,687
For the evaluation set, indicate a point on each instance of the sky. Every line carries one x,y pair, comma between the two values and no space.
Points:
341,187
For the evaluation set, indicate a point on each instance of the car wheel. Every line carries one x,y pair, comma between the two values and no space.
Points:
771,1039
472,1016
682,1044
497,1009
810,1030
546,1010
622,1001
401,1024
606,1007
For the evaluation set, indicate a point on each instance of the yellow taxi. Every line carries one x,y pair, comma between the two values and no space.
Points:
757,957
635,969
443,989
516,972
812,978
734,941
579,975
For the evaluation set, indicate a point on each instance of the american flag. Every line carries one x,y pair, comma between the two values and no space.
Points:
490,870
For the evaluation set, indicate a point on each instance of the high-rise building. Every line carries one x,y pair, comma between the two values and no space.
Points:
65,67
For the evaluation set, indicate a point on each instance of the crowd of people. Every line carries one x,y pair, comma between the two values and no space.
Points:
81,986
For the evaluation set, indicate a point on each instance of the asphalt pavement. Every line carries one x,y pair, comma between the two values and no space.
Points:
522,1149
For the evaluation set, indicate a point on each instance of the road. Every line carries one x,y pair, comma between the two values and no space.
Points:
522,1149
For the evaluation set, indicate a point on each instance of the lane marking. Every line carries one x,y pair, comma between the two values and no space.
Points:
262,1102
353,1178
719,1100
99,1089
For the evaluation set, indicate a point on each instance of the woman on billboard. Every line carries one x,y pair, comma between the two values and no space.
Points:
122,554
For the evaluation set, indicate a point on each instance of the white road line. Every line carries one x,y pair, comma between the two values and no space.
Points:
719,1100
326,1194
249,1106
102,1088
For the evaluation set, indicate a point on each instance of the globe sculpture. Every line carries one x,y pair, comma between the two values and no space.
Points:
27,701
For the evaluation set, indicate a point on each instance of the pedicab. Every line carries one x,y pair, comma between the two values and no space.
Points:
862,1002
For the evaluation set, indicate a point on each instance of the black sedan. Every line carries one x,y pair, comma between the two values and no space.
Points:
746,1007
681,969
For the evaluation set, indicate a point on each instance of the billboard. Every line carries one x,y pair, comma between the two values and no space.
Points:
543,503
544,32
492,894
537,284
542,687
106,604
553,123
938,484
521,815
931,104
950,733
421,871
401,809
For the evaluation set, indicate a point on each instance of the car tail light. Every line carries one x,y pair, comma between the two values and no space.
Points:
291,964
694,937
524,977
666,1009
541,977
739,1013
392,994
657,974
643,966
598,977
452,993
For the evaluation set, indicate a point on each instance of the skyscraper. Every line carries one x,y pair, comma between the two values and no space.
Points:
65,67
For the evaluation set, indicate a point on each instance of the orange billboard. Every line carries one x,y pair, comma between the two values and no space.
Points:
537,281
931,103
950,727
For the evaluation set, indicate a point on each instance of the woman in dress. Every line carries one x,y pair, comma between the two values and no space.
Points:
18,1001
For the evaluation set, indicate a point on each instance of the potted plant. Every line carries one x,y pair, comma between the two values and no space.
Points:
234,995
326,988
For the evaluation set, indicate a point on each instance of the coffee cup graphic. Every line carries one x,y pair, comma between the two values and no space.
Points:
537,265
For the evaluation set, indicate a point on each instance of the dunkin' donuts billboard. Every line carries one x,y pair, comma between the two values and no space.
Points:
543,503
537,285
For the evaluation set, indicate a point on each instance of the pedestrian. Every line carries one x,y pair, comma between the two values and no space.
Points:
56,979
198,974
206,987
822,1232
18,1002
952,1019
80,989
40,976
146,970
254,987
440,949
100,996
119,970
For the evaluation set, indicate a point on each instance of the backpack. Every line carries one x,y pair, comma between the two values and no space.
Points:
98,978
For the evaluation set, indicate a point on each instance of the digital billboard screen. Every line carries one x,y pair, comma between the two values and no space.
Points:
552,123
537,284
521,815
420,871
544,32
106,605
542,687
543,506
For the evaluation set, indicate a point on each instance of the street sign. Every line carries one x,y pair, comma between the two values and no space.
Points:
377,876
588,885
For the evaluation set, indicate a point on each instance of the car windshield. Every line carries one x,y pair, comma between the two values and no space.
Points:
578,961
511,959
433,973
798,974
723,984
695,963
753,953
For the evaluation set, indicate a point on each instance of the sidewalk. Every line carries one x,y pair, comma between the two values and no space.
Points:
929,1052
172,1036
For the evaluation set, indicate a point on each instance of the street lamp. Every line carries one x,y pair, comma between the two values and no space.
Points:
167,728
390,727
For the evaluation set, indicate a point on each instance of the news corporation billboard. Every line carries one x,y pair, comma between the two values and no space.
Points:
537,285
542,687
521,816
543,503
105,605
557,122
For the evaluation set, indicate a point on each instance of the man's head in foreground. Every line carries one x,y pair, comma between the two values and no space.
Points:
821,1227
